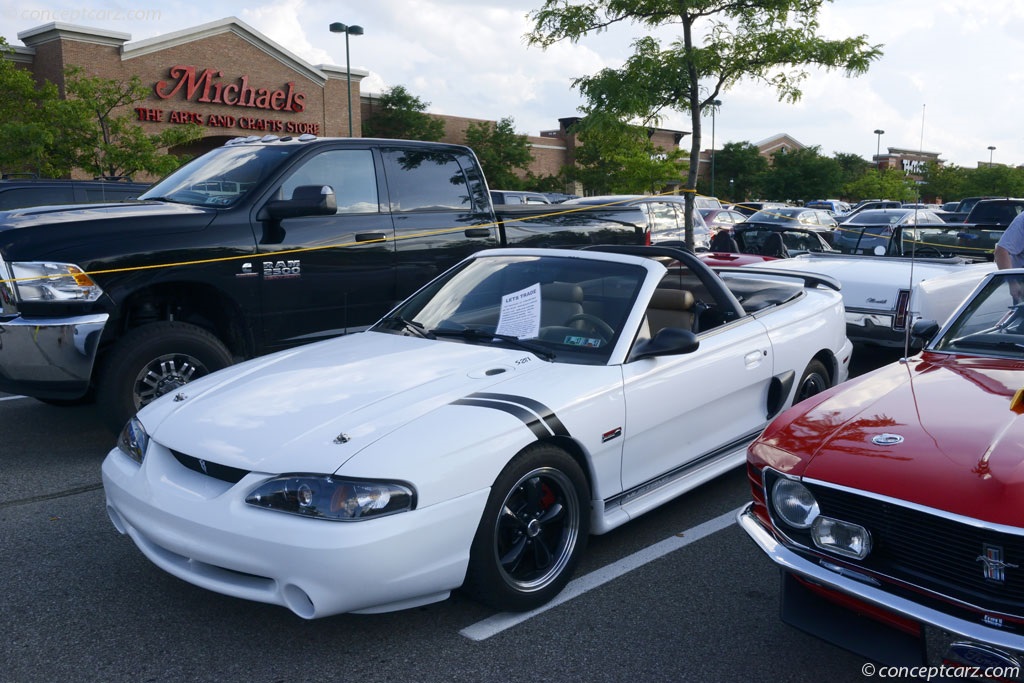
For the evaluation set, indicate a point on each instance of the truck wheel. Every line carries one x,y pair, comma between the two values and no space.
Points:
814,381
152,360
532,533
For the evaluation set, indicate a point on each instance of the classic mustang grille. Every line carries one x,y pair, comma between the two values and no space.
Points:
232,475
933,552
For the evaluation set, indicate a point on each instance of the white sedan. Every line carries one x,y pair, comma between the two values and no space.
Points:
476,435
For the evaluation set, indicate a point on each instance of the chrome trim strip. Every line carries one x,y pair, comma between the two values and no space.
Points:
791,562
969,521
667,478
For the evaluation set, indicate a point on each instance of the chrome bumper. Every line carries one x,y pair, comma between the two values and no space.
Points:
796,564
49,357
866,327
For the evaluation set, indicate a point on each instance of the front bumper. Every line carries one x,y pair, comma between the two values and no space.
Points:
49,357
200,529
932,620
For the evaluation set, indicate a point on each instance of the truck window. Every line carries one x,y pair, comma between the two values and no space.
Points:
424,180
349,171
19,197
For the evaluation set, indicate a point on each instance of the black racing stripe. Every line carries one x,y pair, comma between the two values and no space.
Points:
528,418
546,414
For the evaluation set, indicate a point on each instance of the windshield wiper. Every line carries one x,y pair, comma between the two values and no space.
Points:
473,334
410,326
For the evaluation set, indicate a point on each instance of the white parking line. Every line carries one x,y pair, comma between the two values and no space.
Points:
505,620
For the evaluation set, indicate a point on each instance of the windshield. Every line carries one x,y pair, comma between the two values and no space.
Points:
779,215
992,323
564,309
221,177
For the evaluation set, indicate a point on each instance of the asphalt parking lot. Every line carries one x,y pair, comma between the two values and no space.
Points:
679,594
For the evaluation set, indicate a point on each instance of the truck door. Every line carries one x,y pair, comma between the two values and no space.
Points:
441,211
327,275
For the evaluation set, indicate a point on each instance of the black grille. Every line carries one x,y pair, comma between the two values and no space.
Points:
232,475
932,552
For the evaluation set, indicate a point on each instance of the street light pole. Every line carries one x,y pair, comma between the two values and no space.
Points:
878,148
991,148
338,27
715,104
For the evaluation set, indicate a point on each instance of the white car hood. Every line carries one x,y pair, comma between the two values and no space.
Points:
281,413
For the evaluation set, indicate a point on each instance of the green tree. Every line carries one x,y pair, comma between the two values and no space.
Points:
771,41
27,126
889,183
741,168
100,136
851,167
501,151
400,114
617,158
803,174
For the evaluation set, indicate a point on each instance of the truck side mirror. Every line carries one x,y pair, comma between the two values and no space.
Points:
307,200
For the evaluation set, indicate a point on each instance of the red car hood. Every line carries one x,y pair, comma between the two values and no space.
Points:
963,441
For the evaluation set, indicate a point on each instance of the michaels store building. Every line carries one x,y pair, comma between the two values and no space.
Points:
224,76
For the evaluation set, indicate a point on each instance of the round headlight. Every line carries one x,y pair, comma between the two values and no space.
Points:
794,503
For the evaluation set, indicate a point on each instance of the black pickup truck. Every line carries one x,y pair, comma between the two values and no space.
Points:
259,245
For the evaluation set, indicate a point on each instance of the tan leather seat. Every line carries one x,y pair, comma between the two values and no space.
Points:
670,308
560,301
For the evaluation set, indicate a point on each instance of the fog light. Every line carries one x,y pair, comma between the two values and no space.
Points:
843,538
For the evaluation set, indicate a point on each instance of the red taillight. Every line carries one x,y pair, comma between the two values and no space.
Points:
899,322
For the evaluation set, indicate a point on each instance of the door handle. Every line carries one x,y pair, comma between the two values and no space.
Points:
370,237
478,232
753,358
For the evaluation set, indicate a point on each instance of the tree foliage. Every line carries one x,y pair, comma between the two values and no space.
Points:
889,183
802,175
27,125
720,44
741,170
400,114
100,136
618,158
504,154
91,129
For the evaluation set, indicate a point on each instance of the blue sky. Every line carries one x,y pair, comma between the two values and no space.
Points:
947,82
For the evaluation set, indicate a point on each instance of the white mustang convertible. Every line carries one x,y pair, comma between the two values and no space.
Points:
476,435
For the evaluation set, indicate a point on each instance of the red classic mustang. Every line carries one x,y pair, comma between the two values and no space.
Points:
894,503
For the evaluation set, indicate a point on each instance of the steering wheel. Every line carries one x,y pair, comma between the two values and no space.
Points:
928,250
596,324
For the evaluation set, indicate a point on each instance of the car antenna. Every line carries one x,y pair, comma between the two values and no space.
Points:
913,256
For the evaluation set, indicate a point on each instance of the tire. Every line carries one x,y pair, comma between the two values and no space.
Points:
152,360
814,381
532,533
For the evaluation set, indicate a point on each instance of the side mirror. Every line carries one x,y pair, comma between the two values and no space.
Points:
668,341
307,200
924,330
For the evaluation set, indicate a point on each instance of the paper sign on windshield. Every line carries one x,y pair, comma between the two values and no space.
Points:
520,313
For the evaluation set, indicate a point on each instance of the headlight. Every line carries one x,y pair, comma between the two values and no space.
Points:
326,497
134,440
844,538
794,503
40,281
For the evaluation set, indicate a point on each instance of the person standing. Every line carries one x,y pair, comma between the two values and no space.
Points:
1009,253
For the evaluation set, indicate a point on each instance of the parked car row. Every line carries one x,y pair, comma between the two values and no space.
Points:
483,428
